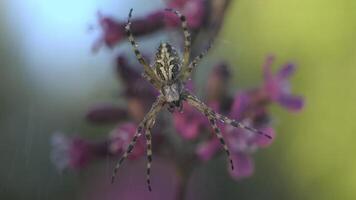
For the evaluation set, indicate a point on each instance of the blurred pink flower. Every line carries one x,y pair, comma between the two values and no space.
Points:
121,137
113,31
194,10
77,153
250,107
73,153
189,123
277,86
242,143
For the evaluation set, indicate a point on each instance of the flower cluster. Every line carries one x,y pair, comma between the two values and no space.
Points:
249,106
114,31
76,153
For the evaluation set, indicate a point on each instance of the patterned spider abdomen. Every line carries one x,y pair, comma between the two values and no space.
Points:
167,63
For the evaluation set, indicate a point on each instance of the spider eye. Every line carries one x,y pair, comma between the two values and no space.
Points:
175,70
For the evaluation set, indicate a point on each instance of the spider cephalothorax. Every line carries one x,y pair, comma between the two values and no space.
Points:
167,67
168,75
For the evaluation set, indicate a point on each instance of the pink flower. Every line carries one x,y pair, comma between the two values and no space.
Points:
249,107
73,153
113,31
121,137
189,123
242,143
77,153
194,10
277,86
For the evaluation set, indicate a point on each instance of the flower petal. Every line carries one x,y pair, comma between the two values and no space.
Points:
286,71
207,150
80,153
121,137
189,122
244,166
193,10
239,105
263,141
292,103
113,31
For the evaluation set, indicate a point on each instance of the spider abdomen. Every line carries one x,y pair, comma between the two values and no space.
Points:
167,63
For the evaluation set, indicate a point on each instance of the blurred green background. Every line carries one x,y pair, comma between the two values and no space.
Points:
49,78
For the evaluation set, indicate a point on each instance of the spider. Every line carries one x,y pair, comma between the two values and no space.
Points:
169,74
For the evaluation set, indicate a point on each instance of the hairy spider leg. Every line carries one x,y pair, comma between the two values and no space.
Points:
151,115
149,152
208,113
187,73
148,70
238,124
217,131
128,150
213,117
187,38
223,118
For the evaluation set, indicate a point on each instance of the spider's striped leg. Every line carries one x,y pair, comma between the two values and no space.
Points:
187,38
128,151
149,153
151,121
217,131
194,100
188,71
238,124
208,112
156,107
148,70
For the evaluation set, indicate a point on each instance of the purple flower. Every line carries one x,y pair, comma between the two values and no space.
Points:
114,31
77,153
189,123
249,107
121,137
194,10
73,153
277,86
243,143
